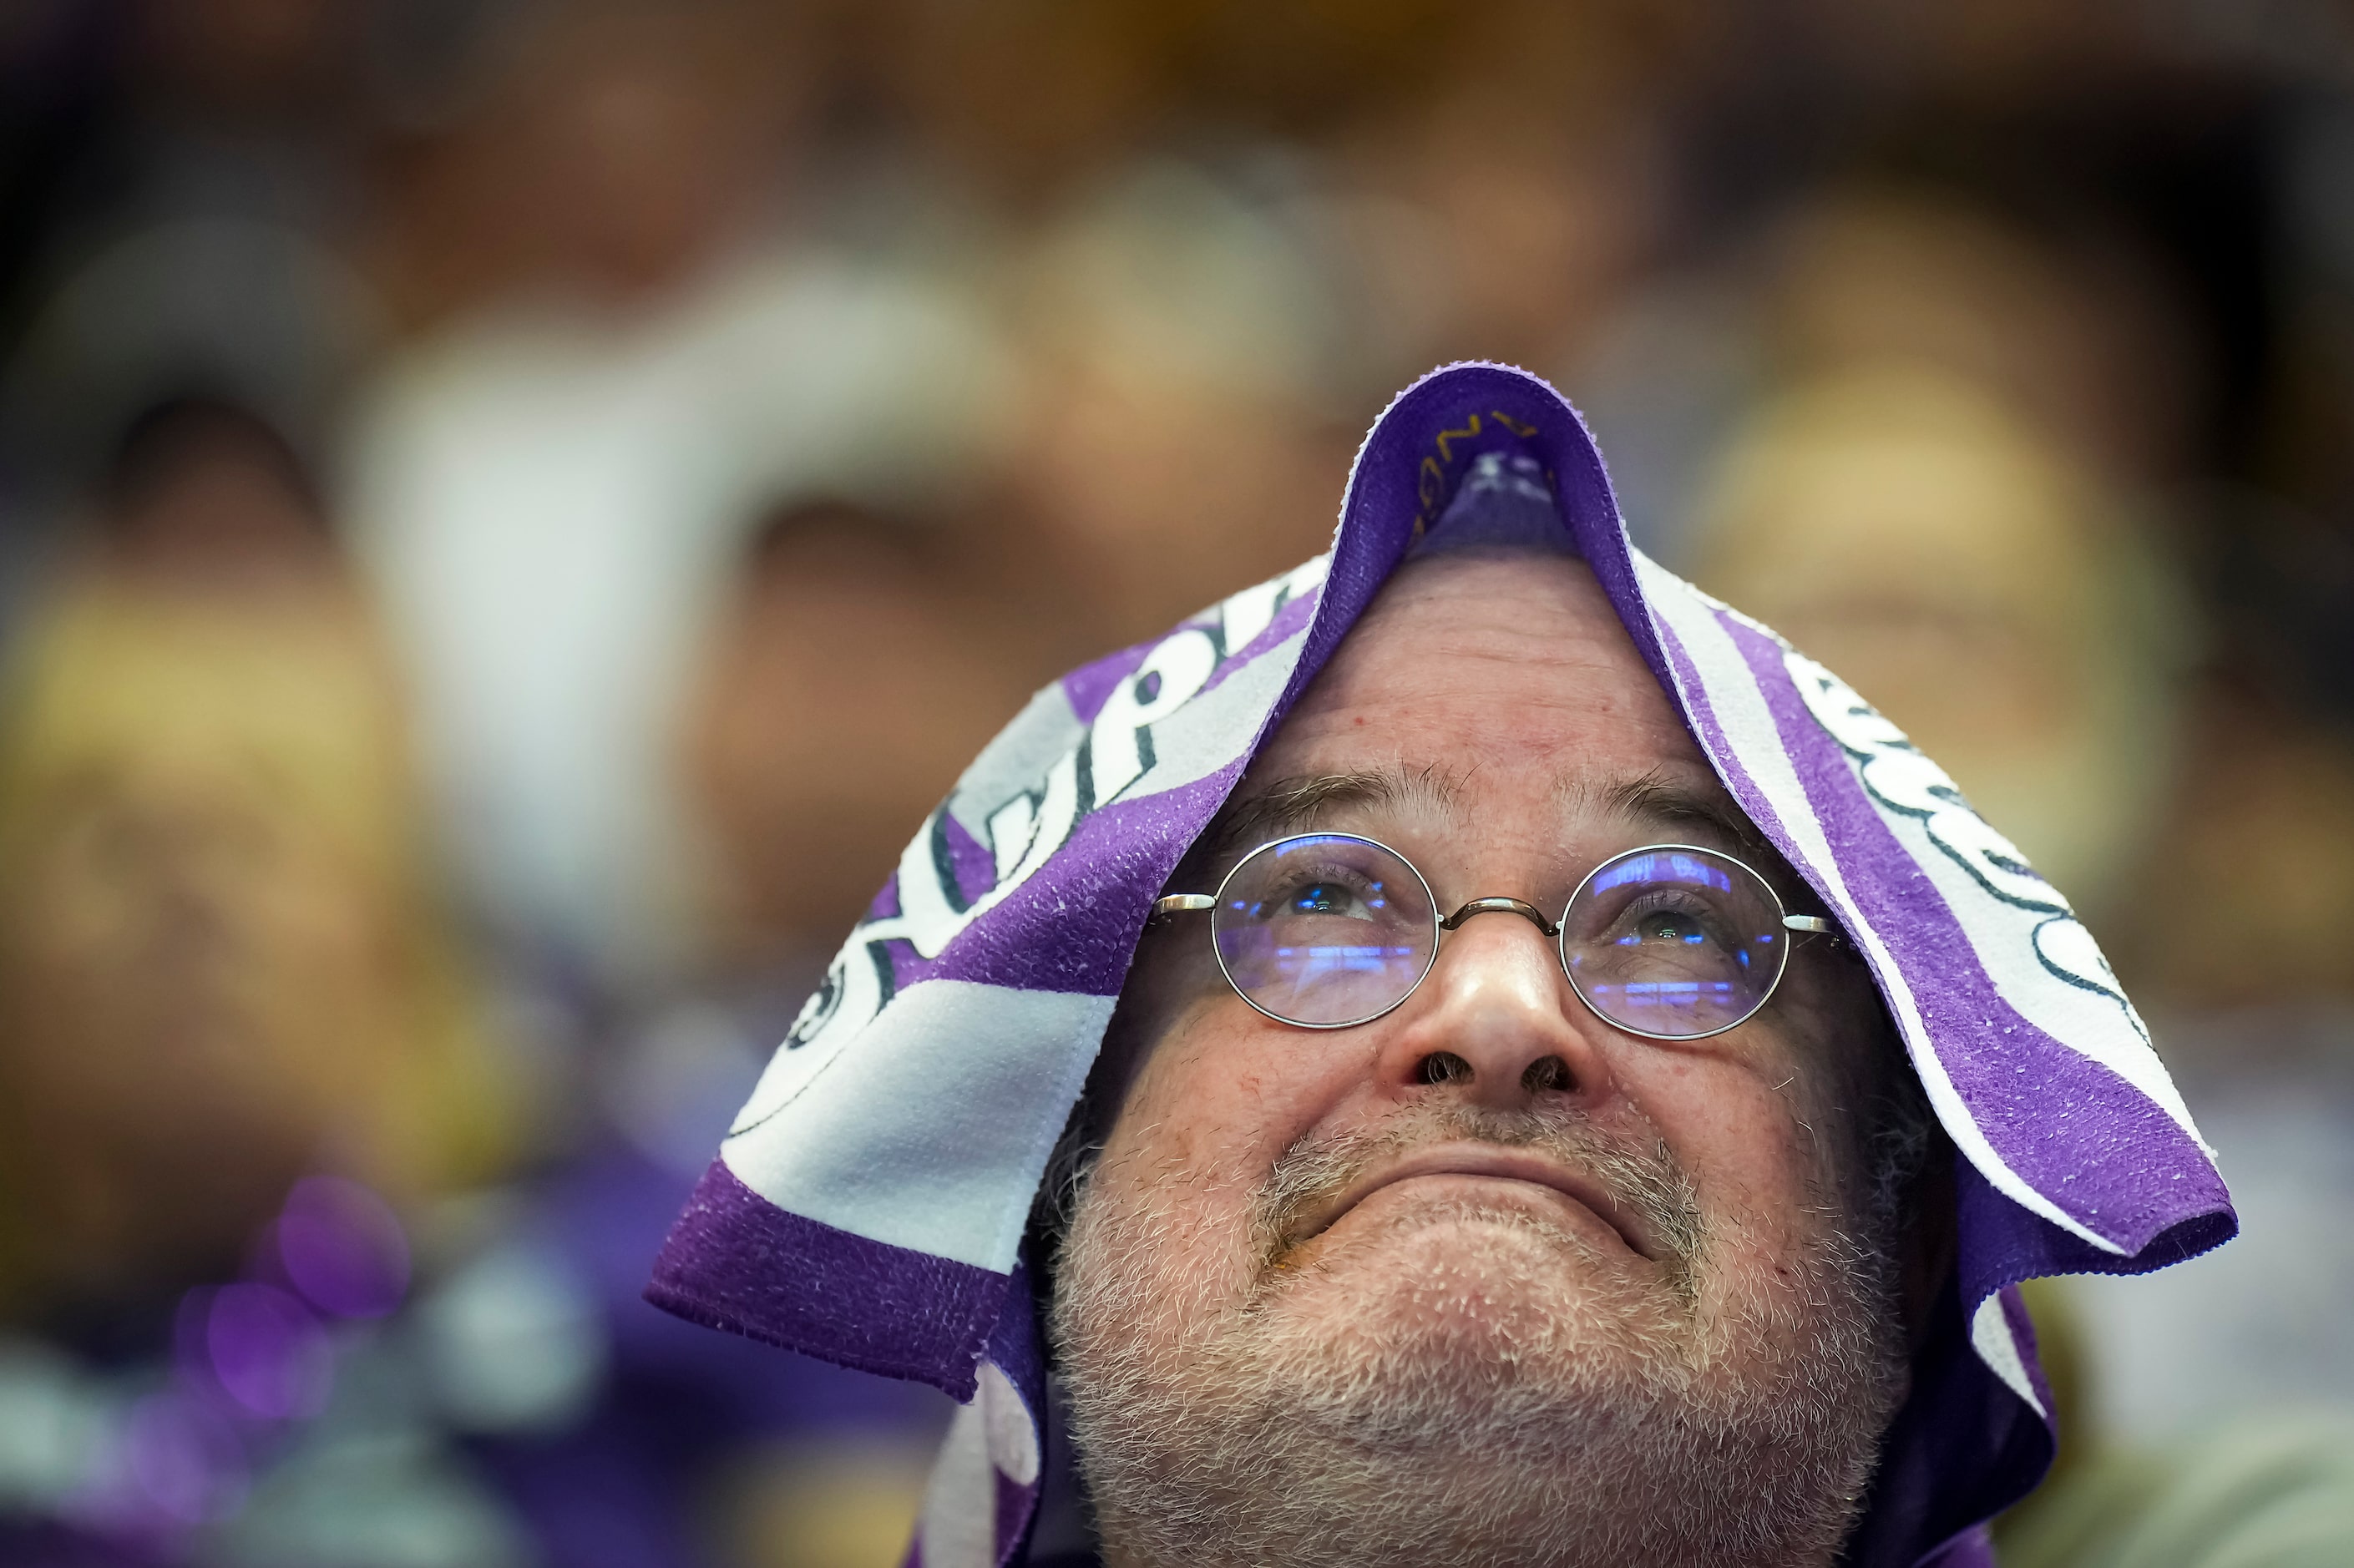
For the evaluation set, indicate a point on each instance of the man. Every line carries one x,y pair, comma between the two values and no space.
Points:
1575,1085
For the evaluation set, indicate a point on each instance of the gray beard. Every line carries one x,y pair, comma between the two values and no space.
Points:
1584,1420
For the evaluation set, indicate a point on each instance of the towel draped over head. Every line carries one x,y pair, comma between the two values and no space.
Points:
869,1204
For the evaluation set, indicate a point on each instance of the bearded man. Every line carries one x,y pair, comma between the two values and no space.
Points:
1471,1051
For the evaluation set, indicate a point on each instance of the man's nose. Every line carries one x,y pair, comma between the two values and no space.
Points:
1496,1022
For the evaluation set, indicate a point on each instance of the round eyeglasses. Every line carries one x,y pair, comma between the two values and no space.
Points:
1668,941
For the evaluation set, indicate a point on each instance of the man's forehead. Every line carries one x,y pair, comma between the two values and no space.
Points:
1480,676
1484,658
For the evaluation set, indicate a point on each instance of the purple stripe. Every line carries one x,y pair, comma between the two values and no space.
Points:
1961,1449
1073,926
1090,685
1018,1352
969,859
2003,1245
2125,1171
1296,612
735,1261
1015,1504
1971,1548
1015,1346
1410,465
1601,535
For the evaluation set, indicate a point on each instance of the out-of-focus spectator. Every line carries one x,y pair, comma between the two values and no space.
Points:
190,174
1987,588
2079,339
227,979
2247,903
222,967
605,150
856,672
1003,110
1958,506
1501,210
550,491
1173,437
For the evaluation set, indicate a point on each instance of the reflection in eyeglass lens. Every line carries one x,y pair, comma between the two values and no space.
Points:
1675,942
1325,929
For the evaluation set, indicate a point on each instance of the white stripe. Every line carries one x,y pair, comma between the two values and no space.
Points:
1013,1436
1215,726
1017,758
992,1434
958,1525
929,1128
1730,691
1990,1335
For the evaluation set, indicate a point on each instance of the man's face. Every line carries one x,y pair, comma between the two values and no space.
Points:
1485,1276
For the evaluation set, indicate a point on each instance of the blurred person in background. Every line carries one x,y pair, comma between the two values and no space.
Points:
1178,354
843,617
218,937
1500,204
274,1288
1962,466
223,973
549,488
798,788
180,195
1906,522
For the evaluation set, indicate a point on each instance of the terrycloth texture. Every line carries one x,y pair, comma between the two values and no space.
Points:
869,1206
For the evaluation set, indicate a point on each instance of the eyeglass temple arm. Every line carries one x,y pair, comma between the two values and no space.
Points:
1817,926
1175,902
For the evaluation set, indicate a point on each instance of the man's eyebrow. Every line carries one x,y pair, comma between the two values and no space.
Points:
1290,805
1298,804
1657,796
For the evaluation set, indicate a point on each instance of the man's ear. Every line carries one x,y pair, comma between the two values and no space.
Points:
1930,1243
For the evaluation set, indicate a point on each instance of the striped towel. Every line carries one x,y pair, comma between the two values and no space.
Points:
869,1204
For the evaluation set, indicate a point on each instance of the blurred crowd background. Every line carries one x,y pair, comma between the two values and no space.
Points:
512,510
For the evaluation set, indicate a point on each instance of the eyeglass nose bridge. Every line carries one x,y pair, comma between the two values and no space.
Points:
1493,905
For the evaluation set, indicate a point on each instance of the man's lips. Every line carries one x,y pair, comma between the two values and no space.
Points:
1493,1162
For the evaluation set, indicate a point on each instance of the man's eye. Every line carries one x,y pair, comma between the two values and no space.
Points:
1668,926
1326,898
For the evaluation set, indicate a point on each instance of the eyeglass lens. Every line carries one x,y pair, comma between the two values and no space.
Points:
1674,942
1325,929
1329,929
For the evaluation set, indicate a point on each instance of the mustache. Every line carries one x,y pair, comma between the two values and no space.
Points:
1644,1177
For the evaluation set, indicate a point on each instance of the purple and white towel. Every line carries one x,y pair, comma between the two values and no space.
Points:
869,1204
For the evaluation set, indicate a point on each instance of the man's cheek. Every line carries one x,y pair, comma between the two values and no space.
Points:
1218,1107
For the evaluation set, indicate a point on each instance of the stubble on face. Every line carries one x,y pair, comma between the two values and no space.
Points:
1464,1380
